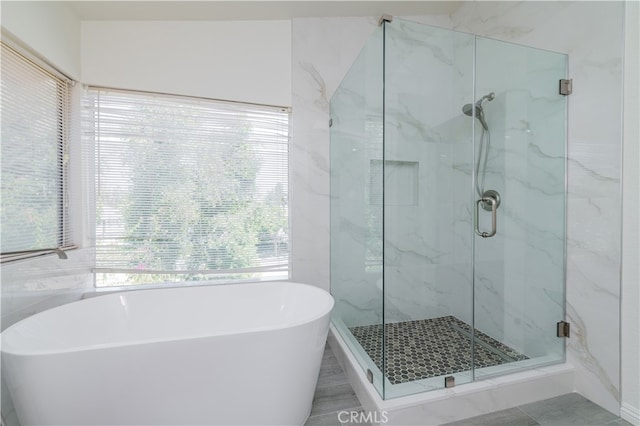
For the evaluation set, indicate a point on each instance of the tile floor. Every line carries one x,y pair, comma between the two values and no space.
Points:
564,410
335,395
432,347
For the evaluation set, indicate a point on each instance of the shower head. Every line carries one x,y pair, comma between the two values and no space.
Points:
468,110
479,112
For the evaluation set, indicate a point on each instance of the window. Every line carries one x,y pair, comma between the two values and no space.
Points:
186,189
34,110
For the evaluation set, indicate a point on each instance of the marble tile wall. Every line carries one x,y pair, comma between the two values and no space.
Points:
33,285
429,159
311,77
324,49
322,52
356,135
519,271
594,46
425,88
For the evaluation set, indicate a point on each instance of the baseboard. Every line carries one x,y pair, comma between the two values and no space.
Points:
630,414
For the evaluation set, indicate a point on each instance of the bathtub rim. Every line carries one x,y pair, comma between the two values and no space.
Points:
11,350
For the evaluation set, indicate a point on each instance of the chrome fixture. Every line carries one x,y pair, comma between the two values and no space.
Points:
449,381
566,86
491,193
57,250
477,111
494,220
564,329
489,200
385,18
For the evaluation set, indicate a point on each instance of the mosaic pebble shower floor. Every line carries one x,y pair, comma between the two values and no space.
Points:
431,347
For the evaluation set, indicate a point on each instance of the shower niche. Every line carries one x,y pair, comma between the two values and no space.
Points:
448,156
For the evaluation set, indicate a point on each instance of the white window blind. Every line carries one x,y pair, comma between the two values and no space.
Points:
186,189
34,110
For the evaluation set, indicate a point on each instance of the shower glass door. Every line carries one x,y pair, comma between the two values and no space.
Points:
448,207
519,272
428,291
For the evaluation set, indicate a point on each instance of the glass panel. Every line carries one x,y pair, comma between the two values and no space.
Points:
428,235
519,272
419,295
356,207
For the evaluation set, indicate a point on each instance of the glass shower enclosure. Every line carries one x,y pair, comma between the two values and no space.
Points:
448,158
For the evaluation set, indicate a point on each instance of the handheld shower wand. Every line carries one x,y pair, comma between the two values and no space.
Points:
483,150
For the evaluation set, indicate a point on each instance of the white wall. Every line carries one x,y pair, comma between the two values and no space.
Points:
49,28
630,385
241,61
247,61
51,32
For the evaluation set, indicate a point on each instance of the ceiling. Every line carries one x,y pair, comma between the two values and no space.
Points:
186,10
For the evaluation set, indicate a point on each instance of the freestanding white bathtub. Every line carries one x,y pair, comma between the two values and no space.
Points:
227,354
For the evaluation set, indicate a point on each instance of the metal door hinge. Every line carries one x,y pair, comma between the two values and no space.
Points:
566,86
564,329
370,375
330,122
449,382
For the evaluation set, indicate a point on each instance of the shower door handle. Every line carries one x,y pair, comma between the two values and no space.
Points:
494,220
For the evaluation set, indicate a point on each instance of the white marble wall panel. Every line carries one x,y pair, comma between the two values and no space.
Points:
33,285
356,209
324,48
423,99
323,51
521,268
591,34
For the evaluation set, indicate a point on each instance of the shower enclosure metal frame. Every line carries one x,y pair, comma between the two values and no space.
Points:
421,248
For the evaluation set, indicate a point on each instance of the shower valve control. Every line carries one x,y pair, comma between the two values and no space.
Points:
491,193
